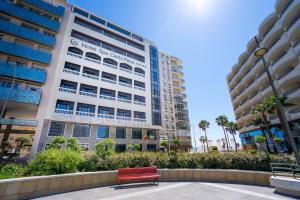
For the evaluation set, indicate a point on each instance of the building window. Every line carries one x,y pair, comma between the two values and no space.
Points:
137,133
151,134
97,19
56,129
81,130
102,132
121,133
120,148
80,12
93,56
75,50
151,147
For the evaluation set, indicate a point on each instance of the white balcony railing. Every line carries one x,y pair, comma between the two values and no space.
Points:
90,76
124,118
90,94
139,119
125,70
124,100
63,111
71,71
108,80
107,97
67,90
139,103
92,60
110,65
139,74
74,55
106,116
85,114
139,88
125,84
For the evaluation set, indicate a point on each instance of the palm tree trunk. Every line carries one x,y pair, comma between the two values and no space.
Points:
206,139
264,134
269,132
225,139
234,142
287,139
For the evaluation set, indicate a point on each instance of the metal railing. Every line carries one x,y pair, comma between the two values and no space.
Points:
285,168
90,76
68,90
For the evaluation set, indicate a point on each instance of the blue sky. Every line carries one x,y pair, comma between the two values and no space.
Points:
208,35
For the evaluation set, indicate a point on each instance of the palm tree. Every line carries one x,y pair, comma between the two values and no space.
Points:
260,123
272,108
232,127
222,121
204,125
177,144
203,140
263,109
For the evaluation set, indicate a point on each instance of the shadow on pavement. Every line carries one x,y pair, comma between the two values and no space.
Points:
134,185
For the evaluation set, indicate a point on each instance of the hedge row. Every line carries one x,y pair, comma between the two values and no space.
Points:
55,161
241,160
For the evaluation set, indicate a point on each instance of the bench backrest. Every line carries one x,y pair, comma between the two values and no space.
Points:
137,170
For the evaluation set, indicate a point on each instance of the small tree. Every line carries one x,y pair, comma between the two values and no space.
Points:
203,140
134,147
62,143
22,141
177,144
104,148
164,144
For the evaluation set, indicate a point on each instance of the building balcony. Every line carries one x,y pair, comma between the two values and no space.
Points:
85,114
26,15
281,6
109,80
292,76
291,13
139,103
267,24
112,98
124,118
294,30
26,33
139,119
125,84
20,95
90,76
67,90
89,94
24,52
139,88
71,71
106,116
18,122
64,111
22,72
124,100
56,10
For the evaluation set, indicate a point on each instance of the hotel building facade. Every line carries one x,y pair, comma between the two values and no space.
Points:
102,81
248,83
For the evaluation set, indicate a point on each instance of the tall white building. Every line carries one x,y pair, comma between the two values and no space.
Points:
103,82
248,83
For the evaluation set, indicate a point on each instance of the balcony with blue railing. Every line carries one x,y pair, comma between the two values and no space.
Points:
22,72
27,15
26,33
56,10
20,95
24,52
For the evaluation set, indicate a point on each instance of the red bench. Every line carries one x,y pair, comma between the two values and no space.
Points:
140,174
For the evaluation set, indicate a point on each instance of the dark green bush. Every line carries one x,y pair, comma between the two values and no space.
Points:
55,161
11,171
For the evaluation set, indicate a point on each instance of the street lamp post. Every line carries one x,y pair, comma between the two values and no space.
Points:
260,53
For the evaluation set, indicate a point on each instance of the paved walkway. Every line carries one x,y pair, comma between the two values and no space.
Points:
174,191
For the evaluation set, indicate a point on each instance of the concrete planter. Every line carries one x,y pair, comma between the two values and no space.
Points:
286,185
31,187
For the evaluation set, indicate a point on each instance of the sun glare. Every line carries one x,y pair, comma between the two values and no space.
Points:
201,8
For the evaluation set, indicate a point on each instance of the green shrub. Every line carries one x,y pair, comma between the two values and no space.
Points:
60,142
11,171
55,161
104,148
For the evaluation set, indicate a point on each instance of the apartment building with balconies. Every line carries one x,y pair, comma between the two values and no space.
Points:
104,84
28,37
248,83
175,119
